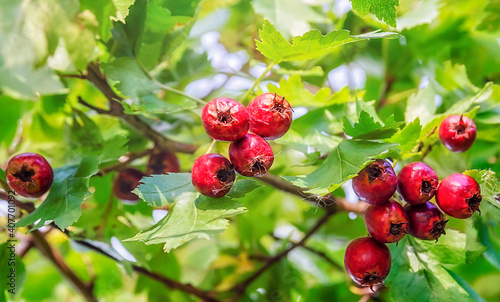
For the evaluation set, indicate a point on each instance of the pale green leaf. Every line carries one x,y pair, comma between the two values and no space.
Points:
384,10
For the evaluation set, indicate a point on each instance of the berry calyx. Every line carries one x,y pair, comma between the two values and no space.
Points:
270,115
163,162
367,261
212,175
457,133
427,222
376,183
225,119
128,179
417,183
387,223
251,155
459,196
29,174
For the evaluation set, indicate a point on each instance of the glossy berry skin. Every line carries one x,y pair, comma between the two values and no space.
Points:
225,119
161,163
251,155
270,115
376,183
29,174
387,223
457,133
127,180
417,183
367,261
427,222
212,175
459,196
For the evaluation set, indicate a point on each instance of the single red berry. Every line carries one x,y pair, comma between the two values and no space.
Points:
417,183
270,115
376,183
457,133
163,162
459,196
367,261
128,179
29,174
427,222
212,175
225,119
251,155
387,222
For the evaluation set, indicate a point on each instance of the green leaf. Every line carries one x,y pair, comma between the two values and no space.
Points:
152,104
297,94
160,190
423,12
464,105
281,12
489,184
311,45
189,219
384,10
367,128
343,163
419,273
114,149
491,22
407,137
69,190
421,105
128,77
2,175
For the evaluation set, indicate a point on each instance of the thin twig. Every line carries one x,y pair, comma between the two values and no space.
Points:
240,288
257,81
130,158
27,206
86,289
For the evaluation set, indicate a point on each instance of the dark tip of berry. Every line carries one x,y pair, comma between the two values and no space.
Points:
258,166
25,174
374,171
460,128
126,186
225,176
278,105
426,187
224,117
438,229
396,229
474,202
371,279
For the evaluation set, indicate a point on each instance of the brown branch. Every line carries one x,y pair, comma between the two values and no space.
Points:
130,158
95,76
241,287
173,284
86,289
327,201
27,206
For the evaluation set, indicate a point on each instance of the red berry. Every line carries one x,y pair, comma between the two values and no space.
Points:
367,261
128,179
225,119
457,133
251,155
29,174
270,115
376,183
387,223
427,222
164,162
212,175
417,183
459,196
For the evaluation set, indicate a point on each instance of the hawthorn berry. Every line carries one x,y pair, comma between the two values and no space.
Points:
367,261
417,183
388,222
427,222
376,183
457,133
29,174
225,119
251,155
163,162
459,196
128,179
270,115
212,175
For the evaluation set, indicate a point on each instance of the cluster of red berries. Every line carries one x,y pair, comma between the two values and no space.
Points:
128,179
267,117
368,259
